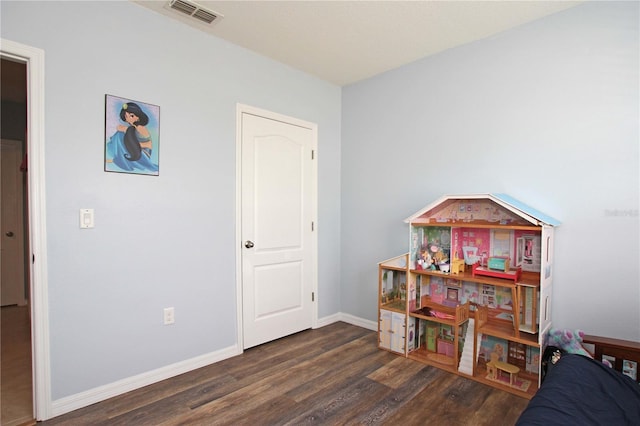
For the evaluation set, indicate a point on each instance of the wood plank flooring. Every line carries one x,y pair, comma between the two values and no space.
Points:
16,388
334,375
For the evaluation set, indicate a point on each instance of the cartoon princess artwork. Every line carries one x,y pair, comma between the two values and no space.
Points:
132,146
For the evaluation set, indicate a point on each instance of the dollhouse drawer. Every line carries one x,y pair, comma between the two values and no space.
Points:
445,347
499,263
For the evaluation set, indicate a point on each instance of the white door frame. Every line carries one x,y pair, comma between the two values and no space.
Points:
240,109
39,299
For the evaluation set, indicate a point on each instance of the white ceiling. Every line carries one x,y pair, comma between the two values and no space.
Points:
346,41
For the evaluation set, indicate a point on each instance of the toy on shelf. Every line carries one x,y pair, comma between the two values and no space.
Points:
425,261
495,366
440,257
470,255
513,274
457,265
433,258
498,263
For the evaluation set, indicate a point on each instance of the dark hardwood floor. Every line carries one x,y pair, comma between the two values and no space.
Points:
16,391
334,375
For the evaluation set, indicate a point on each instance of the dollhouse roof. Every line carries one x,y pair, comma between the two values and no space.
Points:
481,208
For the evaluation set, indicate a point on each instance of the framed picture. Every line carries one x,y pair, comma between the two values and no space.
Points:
630,368
450,282
132,136
452,294
610,359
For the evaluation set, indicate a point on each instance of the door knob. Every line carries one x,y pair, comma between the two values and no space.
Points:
9,234
248,244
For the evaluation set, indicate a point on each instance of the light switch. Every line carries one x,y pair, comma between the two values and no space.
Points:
86,218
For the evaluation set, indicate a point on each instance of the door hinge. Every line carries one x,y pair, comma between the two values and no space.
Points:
313,154
312,227
313,296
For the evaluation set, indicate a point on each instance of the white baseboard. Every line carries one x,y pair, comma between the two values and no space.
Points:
327,320
349,319
360,322
101,393
91,396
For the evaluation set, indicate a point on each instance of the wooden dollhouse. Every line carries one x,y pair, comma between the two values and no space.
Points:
478,280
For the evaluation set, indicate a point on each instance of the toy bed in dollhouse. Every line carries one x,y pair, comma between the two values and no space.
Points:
579,390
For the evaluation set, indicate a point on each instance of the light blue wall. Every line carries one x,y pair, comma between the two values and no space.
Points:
547,113
158,241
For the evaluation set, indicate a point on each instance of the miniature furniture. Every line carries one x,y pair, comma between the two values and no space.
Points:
498,263
457,265
470,255
481,308
491,369
495,366
445,347
513,274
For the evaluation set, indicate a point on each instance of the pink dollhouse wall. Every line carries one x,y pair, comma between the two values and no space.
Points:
470,237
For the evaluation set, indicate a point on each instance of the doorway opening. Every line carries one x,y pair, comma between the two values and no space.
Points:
17,361
35,225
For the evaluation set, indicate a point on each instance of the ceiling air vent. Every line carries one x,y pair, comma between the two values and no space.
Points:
205,16
194,10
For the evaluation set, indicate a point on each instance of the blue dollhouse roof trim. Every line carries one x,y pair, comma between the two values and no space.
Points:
526,212
527,209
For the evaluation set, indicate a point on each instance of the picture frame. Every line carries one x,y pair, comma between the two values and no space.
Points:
630,368
610,359
452,294
451,282
132,136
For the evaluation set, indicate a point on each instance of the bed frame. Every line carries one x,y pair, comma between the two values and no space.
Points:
621,350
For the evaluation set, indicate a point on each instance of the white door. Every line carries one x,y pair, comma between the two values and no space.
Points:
13,277
277,226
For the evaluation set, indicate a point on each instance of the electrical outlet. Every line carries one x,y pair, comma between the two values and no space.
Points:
169,316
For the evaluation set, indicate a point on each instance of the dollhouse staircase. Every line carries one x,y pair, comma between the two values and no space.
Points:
466,360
